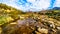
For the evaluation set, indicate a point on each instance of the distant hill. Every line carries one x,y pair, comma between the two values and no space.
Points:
56,8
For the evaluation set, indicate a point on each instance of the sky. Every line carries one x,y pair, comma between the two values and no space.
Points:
32,5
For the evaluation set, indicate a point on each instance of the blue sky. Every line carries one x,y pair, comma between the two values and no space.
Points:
32,5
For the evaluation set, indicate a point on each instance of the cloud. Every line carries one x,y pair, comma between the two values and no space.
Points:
57,3
33,5
32,1
39,4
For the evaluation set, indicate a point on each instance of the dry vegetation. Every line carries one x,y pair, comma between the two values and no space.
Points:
13,21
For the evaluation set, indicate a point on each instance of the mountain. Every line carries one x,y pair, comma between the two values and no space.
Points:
56,8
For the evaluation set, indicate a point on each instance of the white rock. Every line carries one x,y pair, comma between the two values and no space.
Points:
43,30
52,25
37,32
58,28
50,21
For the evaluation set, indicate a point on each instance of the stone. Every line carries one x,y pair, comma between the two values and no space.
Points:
37,32
52,25
43,30
58,28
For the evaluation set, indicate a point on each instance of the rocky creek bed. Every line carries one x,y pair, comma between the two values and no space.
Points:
38,25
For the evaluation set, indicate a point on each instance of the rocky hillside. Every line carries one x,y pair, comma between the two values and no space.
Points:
13,21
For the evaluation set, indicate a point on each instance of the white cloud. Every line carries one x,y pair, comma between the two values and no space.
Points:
57,3
36,4
43,4
39,4
32,1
